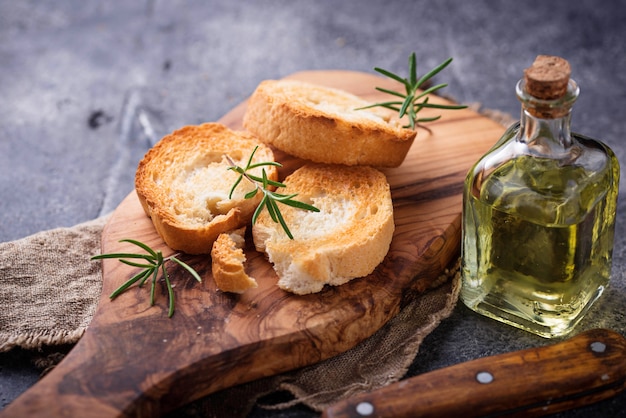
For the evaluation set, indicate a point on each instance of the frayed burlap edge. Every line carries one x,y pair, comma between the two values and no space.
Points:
49,288
39,339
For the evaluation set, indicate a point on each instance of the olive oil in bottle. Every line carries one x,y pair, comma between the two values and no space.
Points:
539,213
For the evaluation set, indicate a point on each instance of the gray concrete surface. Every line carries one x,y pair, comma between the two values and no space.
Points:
76,77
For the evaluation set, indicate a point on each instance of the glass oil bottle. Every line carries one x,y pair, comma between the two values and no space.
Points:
539,213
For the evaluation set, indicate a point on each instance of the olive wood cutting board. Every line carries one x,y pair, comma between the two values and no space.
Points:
135,361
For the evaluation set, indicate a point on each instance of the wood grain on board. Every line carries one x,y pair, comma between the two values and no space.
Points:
135,361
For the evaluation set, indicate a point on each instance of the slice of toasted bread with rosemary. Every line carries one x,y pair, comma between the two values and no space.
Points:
348,237
183,184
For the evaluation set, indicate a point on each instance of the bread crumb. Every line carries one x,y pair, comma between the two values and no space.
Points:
228,263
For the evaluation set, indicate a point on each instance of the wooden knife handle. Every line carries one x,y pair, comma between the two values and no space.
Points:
538,381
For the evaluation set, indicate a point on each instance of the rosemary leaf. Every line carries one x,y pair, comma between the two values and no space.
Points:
432,72
188,268
394,93
391,75
262,164
141,245
133,264
413,70
407,102
270,199
428,119
271,208
431,90
153,287
232,189
278,217
257,179
156,263
440,106
154,273
259,209
281,197
411,104
251,194
299,205
130,282
170,291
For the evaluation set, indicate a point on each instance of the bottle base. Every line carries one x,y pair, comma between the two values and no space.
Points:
529,316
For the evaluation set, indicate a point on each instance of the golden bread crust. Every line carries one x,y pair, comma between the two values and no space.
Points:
348,238
321,124
183,185
228,261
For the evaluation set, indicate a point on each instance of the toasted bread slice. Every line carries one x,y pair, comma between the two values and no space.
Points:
183,184
347,239
228,263
322,124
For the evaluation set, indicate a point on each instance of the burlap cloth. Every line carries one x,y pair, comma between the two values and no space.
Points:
49,289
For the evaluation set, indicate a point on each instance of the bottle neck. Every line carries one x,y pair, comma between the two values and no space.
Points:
544,131
546,123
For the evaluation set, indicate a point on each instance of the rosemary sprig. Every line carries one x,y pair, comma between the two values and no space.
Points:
270,198
150,264
410,104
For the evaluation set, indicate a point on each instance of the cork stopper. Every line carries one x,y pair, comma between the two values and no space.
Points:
548,77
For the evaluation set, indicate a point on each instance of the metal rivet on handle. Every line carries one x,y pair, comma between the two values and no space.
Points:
365,409
597,347
484,377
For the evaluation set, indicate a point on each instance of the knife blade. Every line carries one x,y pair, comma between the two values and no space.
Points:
581,370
